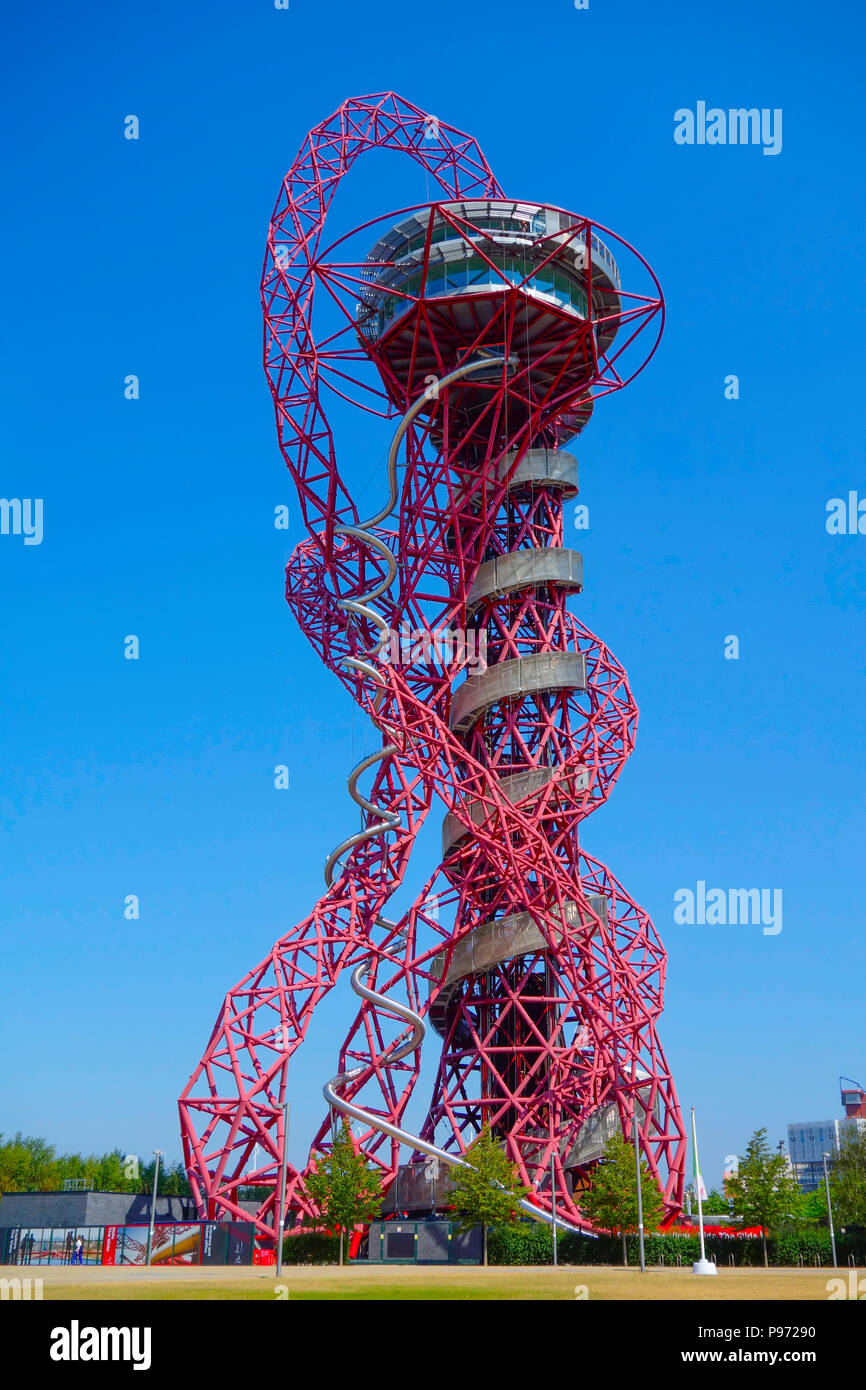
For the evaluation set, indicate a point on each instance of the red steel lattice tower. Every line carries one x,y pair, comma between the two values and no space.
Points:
484,328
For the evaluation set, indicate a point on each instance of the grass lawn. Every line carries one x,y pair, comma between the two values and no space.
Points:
419,1282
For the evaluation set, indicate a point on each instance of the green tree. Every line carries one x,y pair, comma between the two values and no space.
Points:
172,1181
29,1164
764,1190
488,1189
611,1202
813,1207
342,1186
26,1164
848,1179
716,1203
110,1173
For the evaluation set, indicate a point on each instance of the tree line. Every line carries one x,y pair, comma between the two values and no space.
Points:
29,1164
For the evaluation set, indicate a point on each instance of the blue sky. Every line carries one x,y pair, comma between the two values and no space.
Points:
707,518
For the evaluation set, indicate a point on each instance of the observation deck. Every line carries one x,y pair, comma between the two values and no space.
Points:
480,247
519,279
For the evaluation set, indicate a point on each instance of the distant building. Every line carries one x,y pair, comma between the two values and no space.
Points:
809,1140
855,1104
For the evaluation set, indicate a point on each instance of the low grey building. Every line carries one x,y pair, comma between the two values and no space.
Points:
41,1209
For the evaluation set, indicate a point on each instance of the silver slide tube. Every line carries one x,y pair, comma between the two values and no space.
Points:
398,1050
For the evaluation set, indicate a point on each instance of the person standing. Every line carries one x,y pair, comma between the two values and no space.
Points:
78,1254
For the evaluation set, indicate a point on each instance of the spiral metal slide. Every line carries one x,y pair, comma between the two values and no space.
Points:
409,1041
396,1053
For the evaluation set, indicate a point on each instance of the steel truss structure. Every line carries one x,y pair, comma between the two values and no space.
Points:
485,329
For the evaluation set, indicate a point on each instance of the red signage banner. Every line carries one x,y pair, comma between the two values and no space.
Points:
109,1245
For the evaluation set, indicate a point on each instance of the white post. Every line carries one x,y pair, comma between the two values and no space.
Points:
281,1220
553,1209
156,1154
824,1158
703,1265
636,1138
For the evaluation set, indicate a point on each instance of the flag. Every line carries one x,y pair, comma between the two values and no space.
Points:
700,1189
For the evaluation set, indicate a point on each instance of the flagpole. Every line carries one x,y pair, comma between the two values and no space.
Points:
698,1186
703,1265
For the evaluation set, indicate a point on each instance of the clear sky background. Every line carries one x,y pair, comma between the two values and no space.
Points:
707,518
